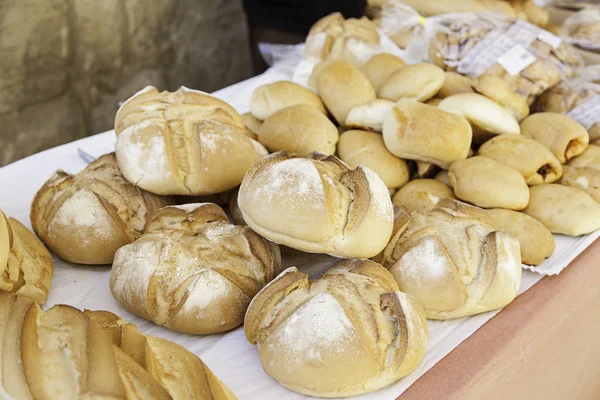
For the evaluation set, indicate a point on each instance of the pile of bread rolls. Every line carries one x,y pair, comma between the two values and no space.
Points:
432,187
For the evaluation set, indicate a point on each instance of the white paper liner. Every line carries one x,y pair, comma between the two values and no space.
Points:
228,355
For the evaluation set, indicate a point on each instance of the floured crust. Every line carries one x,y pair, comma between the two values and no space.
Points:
453,260
85,218
348,333
193,271
184,142
317,205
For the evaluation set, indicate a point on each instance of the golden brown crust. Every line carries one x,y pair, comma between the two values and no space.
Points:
85,218
496,89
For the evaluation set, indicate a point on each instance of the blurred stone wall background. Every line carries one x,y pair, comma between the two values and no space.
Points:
65,64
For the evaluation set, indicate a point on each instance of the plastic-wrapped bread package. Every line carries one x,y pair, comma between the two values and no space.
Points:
528,58
582,29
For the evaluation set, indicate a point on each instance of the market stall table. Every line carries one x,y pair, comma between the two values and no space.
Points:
541,341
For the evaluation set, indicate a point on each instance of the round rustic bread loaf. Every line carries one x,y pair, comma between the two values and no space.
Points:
185,142
192,271
347,333
453,260
85,218
317,205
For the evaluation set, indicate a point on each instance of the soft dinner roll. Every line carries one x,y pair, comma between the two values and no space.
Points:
186,142
564,209
565,137
299,129
494,87
347,333
532,159
252,125
535,240
369,116
486,117
85,218
175,368
343,86
421,132
25,264
192,271
584,178
64,353
453,260
317,205
422,195
272,97
418,82
489,184
454,83
367,148
380,67
590,158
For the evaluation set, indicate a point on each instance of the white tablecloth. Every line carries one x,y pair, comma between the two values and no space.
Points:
229,355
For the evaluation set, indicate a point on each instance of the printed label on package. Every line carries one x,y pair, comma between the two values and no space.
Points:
549,38
516,59
588,113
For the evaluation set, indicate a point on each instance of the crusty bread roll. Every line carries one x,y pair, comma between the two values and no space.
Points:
565,137
348,333
421,132
590,158
535,240
453,260
26,267
488,183
85,218
367,148
185,142
192,271
177,370
317,205
418,82
454,83
487,118
380,67
343,86
422,195
299,129
369,116
584,178
564,209
532,159
64,353
272,97
494,88
252,125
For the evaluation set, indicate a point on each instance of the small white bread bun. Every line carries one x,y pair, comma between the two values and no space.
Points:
380,67
193,249
488,183
535,240
455,83
272,97
317,205
453,260
347,333
564,209
565,137
418,82
421,132
422,195
367,148
86,218
26,267
496,89
185,142
252,125
341,87
487,118
369,116
299,129
532,159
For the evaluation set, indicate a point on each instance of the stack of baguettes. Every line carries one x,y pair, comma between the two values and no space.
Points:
432,187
